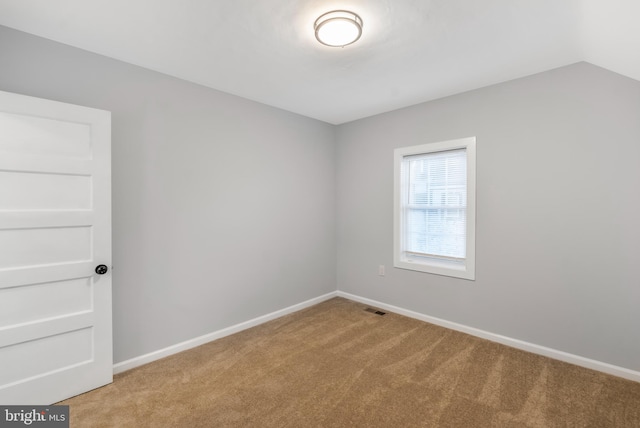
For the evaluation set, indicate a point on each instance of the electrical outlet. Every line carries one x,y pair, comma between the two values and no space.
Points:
381,270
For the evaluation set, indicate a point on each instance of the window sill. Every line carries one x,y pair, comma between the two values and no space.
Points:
437,267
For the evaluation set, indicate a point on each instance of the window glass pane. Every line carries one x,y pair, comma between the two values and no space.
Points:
435,203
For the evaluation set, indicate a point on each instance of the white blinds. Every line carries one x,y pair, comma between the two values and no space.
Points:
434,204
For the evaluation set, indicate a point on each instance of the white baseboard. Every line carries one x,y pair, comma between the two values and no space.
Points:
514,343
192,343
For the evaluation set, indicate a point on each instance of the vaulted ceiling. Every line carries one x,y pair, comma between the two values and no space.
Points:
411,51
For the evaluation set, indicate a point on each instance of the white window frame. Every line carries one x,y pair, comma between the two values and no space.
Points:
464,269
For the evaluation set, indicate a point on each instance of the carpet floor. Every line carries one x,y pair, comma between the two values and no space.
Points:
337,365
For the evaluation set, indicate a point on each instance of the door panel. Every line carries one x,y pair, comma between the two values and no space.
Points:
27,134
29,191
55,227
21,355
44,245
52,299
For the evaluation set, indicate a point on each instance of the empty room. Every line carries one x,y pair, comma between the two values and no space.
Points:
233,213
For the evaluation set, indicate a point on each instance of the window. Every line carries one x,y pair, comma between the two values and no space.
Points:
434,212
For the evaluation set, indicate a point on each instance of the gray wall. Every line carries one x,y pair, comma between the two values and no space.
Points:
223,209
558,209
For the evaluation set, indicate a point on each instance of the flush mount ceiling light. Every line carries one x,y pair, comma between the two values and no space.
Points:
338,28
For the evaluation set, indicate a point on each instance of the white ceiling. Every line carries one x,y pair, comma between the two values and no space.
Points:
411,51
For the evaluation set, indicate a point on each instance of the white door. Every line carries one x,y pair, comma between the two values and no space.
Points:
55,227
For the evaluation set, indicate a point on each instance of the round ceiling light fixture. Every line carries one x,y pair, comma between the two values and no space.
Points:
338,28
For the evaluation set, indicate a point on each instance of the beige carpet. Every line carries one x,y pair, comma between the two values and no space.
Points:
336,365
